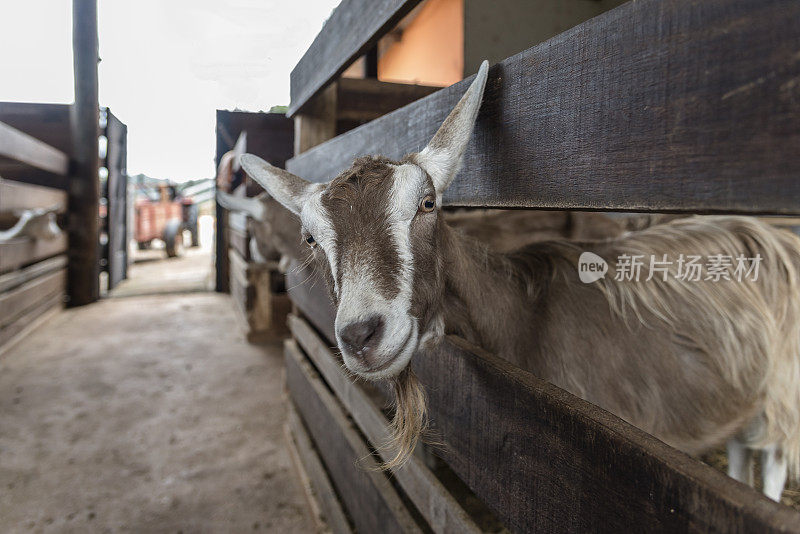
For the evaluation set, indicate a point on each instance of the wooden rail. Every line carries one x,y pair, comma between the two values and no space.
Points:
353,27
373,503
433,501
547,461
657,105
15,196
18,148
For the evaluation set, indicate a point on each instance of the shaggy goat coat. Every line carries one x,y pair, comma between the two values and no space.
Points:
691,362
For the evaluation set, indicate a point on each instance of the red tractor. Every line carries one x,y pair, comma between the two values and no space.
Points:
165,218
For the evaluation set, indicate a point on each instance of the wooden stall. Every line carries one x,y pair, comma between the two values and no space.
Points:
50,123
655,106
32,265
257,287
49,194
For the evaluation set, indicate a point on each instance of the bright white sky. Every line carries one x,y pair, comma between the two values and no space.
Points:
166,66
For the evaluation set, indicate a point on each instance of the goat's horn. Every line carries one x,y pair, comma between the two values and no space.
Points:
251,206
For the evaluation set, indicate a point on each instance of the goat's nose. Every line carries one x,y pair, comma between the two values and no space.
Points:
363,336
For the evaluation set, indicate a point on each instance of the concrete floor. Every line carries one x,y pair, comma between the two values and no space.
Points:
146,414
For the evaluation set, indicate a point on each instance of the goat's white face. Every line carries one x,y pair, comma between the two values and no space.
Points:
374,229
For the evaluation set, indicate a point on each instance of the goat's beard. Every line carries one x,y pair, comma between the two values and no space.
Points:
410,418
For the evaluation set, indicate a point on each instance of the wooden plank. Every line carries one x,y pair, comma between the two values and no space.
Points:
657,105
308,294
312,473
11,334
262,310
547,461
84,183
365,99
371,501
17,278
19,147
576,467
48,123
354,27
16,196
24,251
434,502
317,123
20,300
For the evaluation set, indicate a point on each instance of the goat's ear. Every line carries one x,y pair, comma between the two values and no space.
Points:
288,189
442,157
251,206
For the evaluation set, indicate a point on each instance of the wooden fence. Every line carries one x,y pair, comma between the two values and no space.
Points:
32,271
658,105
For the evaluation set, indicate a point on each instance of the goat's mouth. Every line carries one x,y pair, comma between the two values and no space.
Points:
387,362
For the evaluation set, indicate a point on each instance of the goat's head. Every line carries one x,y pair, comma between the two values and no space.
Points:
374,229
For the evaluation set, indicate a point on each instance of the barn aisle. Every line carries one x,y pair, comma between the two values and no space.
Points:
145,414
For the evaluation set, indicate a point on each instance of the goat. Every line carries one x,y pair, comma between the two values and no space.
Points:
275,230
695,363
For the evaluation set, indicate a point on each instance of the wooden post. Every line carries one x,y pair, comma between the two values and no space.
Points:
84,187
317,123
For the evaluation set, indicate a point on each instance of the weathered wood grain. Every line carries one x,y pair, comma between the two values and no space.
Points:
366,99
308,294
657,105
371,501
353,28
547,461
17,278
17,330
16,196
434,502
19,147
18,301
308,462
24,251
262,309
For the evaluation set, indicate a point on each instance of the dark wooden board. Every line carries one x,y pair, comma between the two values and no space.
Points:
434,502
354,27
47,122
371,501
18,301
19,147
547,461
366,99
116,223
23,251
29,321
309,295
657,105
304,454
19,196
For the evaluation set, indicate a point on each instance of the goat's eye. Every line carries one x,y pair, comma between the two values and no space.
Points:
310,239
427,204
